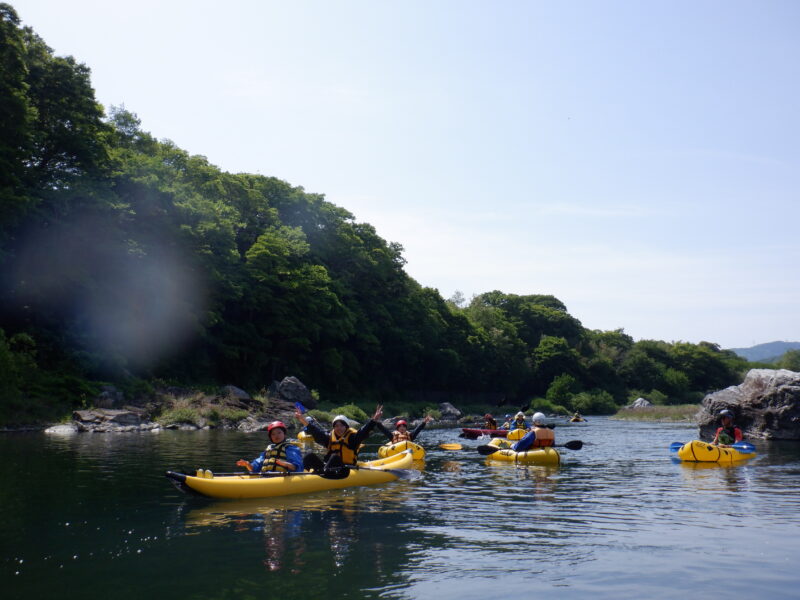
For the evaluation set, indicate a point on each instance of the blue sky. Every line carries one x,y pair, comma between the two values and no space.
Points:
638,160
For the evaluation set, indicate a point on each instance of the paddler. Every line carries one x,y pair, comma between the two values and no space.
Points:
280,456
728,434
506,423
519,422
342,444
490,423
540,436
401,432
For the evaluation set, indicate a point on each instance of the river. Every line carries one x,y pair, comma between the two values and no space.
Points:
92,515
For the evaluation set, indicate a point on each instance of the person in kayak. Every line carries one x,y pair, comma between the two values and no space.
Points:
342,444
280,456
507,423
490,422
401,432
519,421
540,436
728,434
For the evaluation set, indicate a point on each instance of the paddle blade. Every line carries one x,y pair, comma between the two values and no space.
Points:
675,446
487,449
744,447
450,446
574,445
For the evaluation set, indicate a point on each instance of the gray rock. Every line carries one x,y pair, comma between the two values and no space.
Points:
292,390
639,403
102,416
449,412
231,391
766,405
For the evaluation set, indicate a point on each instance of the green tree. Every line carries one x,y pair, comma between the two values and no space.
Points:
790,360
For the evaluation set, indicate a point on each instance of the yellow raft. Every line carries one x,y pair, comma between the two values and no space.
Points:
418,452
305,437
258,486
537,456
697,451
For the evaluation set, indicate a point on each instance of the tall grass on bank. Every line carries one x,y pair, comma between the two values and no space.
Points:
677,413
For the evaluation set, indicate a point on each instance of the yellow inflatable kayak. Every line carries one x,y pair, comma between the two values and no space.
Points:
537,456
418,452
697,451
305,437
258,486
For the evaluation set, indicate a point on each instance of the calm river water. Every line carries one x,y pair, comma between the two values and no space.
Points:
92,515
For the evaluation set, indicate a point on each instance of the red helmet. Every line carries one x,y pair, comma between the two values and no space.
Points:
275,424
401,422
487,416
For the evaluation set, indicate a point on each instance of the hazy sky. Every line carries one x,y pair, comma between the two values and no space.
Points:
638,160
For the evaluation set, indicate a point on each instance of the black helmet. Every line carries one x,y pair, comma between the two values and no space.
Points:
726,413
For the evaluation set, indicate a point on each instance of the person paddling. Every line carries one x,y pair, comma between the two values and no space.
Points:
728,434
506,423
280,456
519,421
490,422
342,444
540,435
401,432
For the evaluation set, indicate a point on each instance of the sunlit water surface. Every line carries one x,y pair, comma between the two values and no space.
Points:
92,515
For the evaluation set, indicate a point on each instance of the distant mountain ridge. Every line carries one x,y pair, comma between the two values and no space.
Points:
766,352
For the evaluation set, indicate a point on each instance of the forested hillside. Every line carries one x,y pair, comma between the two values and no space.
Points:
124,259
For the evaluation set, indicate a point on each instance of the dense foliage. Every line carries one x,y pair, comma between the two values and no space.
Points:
122,258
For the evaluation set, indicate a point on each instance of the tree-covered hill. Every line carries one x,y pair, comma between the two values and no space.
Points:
125,259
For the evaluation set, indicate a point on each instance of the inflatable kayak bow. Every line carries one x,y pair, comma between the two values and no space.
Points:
285,484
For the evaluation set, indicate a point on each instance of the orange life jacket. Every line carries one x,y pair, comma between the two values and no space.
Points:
401,437
339,445
544,437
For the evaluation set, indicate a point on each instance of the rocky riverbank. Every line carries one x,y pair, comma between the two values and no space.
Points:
188,410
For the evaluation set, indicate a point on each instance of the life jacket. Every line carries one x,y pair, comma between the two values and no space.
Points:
340,446
401,437
491,424
727,435
271,454
544,437
518,424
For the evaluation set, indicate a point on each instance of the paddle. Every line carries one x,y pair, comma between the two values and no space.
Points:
488,449
743,447
451,446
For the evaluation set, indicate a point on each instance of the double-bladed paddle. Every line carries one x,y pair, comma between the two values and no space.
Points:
488,449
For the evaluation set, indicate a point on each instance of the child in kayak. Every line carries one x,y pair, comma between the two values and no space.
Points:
490,422
280,456
401,432
342,444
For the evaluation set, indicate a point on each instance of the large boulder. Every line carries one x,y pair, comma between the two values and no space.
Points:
766,405
449,412
639,403
292,390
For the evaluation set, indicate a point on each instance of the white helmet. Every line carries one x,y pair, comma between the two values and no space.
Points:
341,418
519,414
538,418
